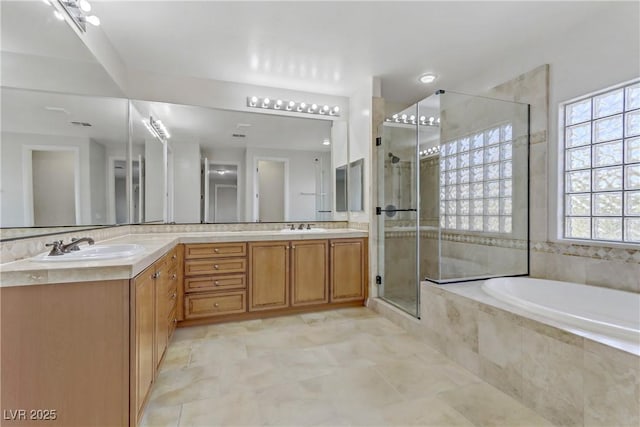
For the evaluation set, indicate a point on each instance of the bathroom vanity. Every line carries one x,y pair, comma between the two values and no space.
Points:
88,350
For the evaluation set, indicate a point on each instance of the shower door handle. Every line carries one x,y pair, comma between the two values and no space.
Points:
379,210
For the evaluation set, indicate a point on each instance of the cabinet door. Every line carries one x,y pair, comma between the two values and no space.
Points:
268,275
309,272
348,269
163,282
142,336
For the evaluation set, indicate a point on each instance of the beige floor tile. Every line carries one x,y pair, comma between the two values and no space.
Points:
347,367
423,412
164,416
227,410
485,405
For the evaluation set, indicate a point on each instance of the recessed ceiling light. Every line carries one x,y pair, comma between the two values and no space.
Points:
326,142
428,78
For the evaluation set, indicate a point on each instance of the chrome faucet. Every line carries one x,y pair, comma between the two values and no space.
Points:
301,227
292,227
56,249
73,246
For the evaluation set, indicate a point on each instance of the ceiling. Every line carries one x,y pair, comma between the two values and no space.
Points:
333,47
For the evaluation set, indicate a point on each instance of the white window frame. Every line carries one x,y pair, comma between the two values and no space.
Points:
560,193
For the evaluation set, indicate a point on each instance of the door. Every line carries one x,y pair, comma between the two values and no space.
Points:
268,275
271,191
226,206
396,213
348,269
54,194
309,272
143,328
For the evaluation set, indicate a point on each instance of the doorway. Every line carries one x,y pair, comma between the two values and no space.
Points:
271,190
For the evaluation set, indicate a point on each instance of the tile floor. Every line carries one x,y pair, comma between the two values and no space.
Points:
335,368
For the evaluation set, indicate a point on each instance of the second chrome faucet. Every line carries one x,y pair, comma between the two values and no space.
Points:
59,248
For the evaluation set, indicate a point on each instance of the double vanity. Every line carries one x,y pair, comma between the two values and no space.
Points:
84,335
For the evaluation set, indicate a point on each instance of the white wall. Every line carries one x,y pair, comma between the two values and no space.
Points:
186,184
98,173
153,180
360,140
11,193
339,157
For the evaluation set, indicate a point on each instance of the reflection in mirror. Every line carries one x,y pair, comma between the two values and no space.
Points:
60,156
341,188
356,184
253,167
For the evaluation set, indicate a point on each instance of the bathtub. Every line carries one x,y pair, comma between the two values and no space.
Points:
603,311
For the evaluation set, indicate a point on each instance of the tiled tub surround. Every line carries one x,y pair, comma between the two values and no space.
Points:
27,272
563,374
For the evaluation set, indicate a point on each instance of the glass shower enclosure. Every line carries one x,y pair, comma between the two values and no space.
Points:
453,194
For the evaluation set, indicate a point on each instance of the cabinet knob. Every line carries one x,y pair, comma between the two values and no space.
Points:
216,283
216,305
174,295
174,256
175,321
216,250
216,266
174,276
333,245
157,274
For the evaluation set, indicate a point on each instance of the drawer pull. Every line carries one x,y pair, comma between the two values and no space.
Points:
216,305
216,266
216,282
293,247
174,295
216,250
175,321
174,276
174,256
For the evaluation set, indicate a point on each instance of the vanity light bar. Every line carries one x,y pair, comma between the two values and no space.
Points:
430,151
156,128
411,120
293,106
78,12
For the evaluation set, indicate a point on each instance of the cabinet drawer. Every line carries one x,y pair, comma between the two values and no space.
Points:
205,305
215,283
215,266
215,250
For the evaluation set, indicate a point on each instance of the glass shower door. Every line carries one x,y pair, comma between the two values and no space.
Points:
396,213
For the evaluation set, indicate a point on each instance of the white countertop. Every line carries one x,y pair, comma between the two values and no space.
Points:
26,272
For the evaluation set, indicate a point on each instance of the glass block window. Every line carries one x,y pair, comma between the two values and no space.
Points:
602,166
476,181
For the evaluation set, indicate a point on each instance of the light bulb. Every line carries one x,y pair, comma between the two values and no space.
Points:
93,20
291,104
325,108
303,105
58,15
279,102
431,119
395,116
314,107
254,99
85,6
336,109
267,101
412,118
404,117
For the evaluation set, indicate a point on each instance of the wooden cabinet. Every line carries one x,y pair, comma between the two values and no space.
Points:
215,280
348,269
309,272
143,325
154,294
268,275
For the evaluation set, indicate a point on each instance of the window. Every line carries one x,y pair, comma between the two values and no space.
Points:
476,183
602,166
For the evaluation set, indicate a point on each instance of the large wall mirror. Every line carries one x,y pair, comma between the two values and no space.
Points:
63,123
202,165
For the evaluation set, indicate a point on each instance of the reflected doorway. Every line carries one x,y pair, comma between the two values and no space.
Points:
220,196
270,190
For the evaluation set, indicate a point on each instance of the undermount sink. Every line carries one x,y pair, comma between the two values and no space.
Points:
93,253
312,230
